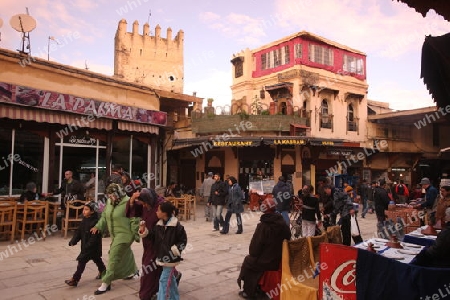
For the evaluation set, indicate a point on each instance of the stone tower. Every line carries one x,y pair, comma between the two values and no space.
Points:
149,60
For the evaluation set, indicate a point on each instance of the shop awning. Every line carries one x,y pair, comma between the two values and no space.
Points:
436,68
53,117
138,127
423,6
252,141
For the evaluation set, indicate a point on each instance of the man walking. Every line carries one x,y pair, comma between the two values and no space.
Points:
205,192
283,196
219,191
381,199
370,204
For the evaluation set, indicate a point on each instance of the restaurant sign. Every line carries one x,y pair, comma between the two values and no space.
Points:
232,143
82,140
26,96
340,152
289,142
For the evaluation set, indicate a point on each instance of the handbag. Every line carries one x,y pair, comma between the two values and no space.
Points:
354,226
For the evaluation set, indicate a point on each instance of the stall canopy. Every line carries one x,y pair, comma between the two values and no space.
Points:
435,54
436,68
441,7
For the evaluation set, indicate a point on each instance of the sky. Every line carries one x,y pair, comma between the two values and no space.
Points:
390,33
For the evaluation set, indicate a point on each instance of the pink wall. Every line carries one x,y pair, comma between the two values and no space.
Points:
337,53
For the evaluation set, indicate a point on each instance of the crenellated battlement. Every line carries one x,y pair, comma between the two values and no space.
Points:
146,33
149,59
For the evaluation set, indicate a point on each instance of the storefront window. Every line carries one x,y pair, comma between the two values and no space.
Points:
121,152
29,151
22,163
78,153
140,160
5,162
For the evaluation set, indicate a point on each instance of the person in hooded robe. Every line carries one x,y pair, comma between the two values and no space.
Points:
144,205
265,248
123,231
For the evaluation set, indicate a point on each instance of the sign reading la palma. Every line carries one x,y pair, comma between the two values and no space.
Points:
26,96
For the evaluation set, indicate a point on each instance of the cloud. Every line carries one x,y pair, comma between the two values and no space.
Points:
208,16
85,5
215,84
98,68
403,99
243,29
388,30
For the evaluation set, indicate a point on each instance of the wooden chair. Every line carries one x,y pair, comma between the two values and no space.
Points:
72,217
34,214
8,214
297,271
54,209
334,234
186,207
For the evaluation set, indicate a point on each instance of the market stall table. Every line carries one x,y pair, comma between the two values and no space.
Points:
416,237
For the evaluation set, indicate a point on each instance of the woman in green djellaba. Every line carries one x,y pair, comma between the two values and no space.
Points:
123,231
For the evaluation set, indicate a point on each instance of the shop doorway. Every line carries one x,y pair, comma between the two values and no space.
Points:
84,160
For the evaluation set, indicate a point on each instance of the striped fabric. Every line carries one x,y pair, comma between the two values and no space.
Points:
48,116
138,127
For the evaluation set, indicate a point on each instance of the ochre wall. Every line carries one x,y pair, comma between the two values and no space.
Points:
149,60
74,82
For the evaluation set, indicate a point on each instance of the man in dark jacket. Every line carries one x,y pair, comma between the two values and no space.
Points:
370,199
217,199
344,206
437,256
329,214
71,189
265,248
381,199
283,196
431,193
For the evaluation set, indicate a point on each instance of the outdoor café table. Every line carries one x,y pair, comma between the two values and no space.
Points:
416,237
405,255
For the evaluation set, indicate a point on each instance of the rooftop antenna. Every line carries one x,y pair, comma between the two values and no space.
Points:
85,65
23,23
148,20
1,24
149,15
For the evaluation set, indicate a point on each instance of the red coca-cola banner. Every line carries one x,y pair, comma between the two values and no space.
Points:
338,279
25,96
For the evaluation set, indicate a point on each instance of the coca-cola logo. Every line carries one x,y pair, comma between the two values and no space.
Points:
343,278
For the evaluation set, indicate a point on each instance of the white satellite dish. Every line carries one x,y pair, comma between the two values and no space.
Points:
22,23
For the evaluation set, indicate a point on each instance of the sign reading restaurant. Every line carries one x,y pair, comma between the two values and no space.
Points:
232,144
25,96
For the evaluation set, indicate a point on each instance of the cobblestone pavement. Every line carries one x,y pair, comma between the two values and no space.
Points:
210,269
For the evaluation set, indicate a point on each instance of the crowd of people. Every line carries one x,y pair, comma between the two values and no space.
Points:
134,214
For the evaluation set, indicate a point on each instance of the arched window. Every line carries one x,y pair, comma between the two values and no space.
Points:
324,107
350,113
325,118
351,120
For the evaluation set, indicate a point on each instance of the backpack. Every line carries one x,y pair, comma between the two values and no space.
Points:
401,189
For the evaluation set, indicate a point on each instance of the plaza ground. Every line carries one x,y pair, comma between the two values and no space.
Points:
210,268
